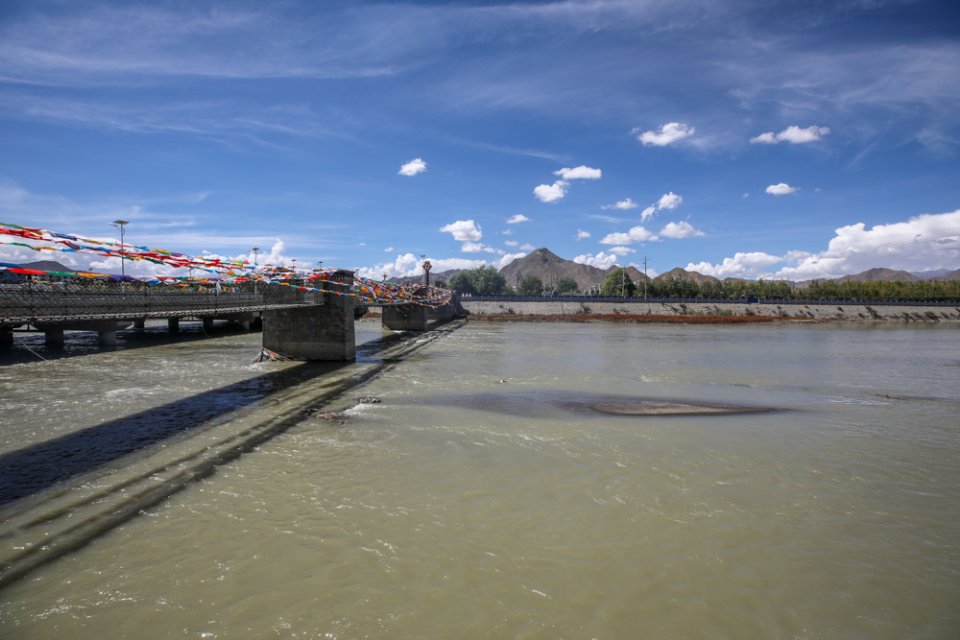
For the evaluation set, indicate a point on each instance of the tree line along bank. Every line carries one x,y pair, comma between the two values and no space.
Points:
487,281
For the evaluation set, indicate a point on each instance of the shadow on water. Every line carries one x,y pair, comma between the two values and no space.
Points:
32,469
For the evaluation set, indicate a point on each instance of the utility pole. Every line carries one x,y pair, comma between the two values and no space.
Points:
623,282
645,277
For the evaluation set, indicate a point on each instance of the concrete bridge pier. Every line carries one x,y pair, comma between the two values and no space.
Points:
106,330
321,331
140,324
405,318
208,324
441,314
53,337
173,325
6,337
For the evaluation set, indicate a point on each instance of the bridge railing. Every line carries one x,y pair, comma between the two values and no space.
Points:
52,301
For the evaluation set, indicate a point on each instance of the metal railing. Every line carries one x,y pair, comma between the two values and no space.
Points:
22,303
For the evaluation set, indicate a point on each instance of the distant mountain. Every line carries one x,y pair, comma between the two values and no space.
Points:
938,274
884,275
418,279
633,273
952,276
551,268
46,265
683,274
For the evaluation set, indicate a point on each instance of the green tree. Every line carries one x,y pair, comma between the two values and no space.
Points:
461,282
530,286
567,285
618,284
487,281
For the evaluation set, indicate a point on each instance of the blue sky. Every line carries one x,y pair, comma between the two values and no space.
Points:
762,138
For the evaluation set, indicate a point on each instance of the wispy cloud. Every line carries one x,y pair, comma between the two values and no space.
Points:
666,135
221,121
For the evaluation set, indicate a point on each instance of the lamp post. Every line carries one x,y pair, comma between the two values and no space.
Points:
255,251
120,224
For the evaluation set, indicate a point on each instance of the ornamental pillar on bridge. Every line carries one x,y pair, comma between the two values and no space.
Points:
320,331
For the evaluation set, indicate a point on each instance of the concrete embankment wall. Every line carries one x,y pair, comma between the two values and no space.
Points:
848,312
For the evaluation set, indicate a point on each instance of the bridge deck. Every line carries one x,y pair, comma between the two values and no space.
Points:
31,302
21,304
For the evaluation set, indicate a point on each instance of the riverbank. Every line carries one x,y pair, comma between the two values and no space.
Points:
704,313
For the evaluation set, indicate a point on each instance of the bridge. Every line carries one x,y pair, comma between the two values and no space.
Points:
301,322
307,315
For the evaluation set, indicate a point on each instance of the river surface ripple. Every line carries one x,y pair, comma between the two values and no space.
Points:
482,498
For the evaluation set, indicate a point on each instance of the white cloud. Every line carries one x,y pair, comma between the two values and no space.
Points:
792,134
517,219
677,230
551,192
764,138
742,265
601,260
669,201
507,258
507,232
413,167
582,172
780,189
667,134
408,264
581,234
388,250
925,242
619,238
527,246
621,204
622,251
463,231
477,247
511,243
635,234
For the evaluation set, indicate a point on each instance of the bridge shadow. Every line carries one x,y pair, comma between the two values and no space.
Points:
32,469
37,467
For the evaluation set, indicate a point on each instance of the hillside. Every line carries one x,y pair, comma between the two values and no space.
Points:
551,268
884,275
683,274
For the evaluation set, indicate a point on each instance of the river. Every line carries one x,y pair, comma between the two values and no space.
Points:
477,493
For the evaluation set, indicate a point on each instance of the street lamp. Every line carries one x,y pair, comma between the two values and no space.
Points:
255,251
120,224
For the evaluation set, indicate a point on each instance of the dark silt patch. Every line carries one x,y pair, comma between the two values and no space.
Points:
667,408
535,403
